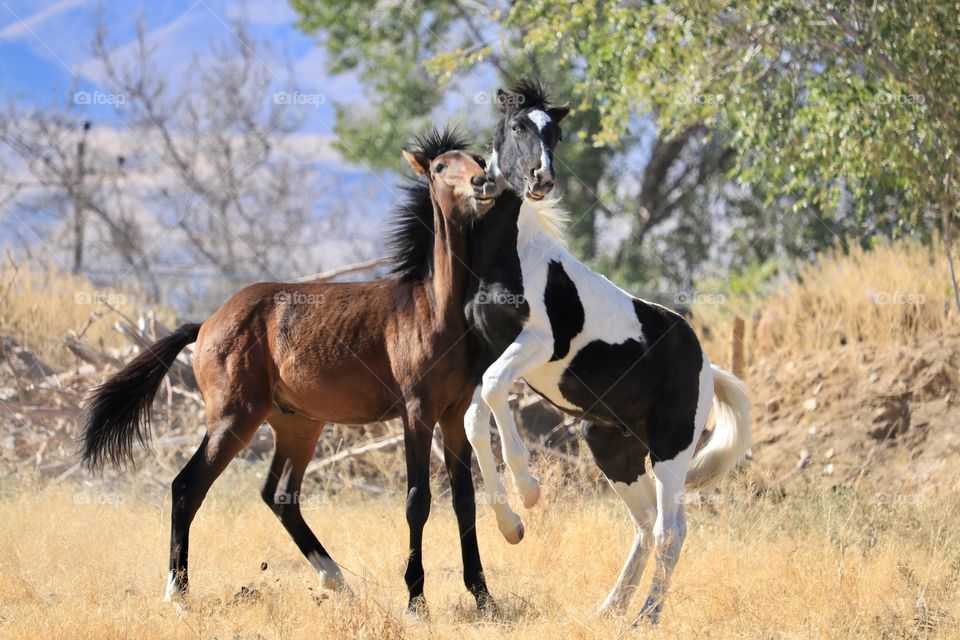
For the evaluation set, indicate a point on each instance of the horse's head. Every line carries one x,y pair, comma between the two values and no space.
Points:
458,179
525,138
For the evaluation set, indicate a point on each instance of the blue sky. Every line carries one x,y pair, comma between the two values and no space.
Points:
46,54
46,47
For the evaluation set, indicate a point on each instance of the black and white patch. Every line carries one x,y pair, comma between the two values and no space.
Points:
620,455
563,308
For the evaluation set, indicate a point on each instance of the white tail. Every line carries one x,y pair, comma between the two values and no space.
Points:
730,439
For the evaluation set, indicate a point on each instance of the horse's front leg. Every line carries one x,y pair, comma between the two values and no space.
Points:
418,422
458,460
477,425
531,350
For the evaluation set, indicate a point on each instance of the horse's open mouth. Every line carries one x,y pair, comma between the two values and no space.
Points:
533,195
485,201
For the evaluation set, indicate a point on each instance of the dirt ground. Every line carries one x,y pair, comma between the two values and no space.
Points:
886,413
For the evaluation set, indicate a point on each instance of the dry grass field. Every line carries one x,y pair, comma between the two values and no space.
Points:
88,561
844,524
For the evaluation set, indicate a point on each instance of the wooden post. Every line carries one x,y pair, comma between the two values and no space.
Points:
736,348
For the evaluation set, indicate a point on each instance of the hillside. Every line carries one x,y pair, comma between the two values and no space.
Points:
856,387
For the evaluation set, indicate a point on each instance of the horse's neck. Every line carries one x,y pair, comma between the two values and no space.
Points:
532,234
493,239
449,279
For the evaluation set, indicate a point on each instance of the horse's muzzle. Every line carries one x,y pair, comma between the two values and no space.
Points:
539,190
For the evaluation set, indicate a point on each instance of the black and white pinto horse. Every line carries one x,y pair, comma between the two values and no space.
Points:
632,370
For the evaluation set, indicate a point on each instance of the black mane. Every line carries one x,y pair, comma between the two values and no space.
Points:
535,94
410,235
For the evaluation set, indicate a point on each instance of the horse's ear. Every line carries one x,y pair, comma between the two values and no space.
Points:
417,160
505,101
480,160
558,113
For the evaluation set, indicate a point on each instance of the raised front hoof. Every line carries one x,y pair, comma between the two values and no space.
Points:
417,609
531,495
515,535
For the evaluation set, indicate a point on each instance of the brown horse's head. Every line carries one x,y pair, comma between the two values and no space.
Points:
458,182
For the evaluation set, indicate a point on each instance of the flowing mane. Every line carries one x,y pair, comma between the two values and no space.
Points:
551,217
411,234
535,94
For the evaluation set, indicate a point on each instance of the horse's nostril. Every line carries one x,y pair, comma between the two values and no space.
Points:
478,181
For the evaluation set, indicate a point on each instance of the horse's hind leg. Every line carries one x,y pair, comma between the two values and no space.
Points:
621,458
295,443
669,530
668,431
227,434
458,458
640,498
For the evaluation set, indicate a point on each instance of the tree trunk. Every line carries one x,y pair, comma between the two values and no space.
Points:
947,244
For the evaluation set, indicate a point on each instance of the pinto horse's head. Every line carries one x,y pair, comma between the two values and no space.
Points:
458,179
526,137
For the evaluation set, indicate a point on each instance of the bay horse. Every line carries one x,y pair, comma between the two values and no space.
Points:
301,355
633,371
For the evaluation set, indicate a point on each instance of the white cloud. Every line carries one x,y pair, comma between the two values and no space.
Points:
170,44
262,12
27,27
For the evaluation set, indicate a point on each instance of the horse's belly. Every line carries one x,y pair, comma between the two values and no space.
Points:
546,382
610,384
339,395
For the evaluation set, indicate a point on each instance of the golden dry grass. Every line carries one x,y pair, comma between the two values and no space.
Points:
87,561
40,306
894,293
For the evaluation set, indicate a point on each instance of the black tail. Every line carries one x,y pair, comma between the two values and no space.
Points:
119,409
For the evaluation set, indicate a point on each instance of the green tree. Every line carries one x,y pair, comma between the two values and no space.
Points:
786,122
842,107
411,56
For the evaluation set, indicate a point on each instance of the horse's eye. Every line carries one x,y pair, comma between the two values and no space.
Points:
439,168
